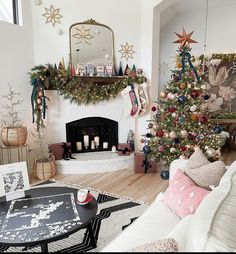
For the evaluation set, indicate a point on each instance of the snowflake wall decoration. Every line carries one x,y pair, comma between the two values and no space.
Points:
38,2
164,68
52,15
83,35
127,51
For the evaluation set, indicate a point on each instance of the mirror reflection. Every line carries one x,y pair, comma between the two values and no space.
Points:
92,48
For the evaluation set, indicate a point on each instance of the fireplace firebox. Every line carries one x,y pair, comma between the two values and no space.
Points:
105,130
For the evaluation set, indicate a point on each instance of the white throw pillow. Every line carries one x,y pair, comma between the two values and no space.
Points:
213,225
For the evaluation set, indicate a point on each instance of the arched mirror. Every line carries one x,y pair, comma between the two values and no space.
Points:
92,48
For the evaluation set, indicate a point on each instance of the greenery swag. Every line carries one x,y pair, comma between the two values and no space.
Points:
61,79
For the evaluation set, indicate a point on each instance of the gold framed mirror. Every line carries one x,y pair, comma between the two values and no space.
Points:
92,48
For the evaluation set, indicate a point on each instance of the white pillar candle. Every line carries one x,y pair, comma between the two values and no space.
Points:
92,144
86,140
79,146
113,149
96,139
105,145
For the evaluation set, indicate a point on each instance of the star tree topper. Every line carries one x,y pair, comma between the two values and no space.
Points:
185,39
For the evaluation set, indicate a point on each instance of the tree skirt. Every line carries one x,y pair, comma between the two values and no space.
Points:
114,214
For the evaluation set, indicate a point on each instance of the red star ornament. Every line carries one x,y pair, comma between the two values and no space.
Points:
184,39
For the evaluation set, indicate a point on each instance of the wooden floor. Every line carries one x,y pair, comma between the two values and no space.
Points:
143,187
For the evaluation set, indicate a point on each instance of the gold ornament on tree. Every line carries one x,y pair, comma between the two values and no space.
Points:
52,15
127,51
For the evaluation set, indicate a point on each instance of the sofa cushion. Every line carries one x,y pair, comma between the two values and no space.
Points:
164,245
183,196
213,226
197,159
156,222
207,175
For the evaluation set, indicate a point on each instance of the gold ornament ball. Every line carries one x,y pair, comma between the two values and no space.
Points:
182,85
211,152
204,87
162,94
174,115
166,134
184,133
172,135
178,65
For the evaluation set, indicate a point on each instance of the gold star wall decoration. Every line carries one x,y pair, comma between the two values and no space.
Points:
52,15
127,51
184,39
83,35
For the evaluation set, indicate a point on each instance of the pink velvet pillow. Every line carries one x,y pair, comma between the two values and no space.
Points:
183,196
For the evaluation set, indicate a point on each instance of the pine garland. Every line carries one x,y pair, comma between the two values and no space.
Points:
72,88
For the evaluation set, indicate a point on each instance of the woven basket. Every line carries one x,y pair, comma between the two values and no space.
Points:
45,170
14,136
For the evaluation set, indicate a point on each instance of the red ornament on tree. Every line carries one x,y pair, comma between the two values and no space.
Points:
195,94
172,109
203,119
160,133
154,108
183,148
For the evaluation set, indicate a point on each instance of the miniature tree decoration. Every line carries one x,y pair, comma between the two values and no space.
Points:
11,114
180,125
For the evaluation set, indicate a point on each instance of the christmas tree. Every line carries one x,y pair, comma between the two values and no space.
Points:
180,125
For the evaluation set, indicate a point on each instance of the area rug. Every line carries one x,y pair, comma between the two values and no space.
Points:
115,214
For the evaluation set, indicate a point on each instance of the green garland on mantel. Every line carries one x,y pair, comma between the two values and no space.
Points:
73,88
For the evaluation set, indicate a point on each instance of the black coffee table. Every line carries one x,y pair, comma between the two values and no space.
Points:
45,215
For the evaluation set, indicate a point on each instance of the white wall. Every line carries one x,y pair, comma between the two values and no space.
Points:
123,17
16,51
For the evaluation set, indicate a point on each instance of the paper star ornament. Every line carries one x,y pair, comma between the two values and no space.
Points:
127,51
184,39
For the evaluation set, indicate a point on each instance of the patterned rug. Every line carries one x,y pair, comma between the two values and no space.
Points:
114,214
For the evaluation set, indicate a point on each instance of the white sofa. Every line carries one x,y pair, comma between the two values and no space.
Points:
159,222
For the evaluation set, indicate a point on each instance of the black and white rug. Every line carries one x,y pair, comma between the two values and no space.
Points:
114,214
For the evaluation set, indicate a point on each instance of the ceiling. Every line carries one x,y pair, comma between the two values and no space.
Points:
181,6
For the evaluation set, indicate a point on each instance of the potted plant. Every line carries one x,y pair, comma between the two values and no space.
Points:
44,164
13,132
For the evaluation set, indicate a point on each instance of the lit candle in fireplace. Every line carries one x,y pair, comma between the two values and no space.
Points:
79,146
105,145
92,144
96,139
86,140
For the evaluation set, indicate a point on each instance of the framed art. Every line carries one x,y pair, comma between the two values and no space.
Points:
14,180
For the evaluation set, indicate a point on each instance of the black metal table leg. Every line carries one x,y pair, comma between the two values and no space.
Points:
44,247
92,237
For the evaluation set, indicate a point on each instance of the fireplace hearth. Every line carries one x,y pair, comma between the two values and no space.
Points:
105,130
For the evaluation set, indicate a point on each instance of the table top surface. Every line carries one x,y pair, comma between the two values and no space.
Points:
44,215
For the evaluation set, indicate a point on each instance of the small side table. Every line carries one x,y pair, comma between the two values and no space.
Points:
14,154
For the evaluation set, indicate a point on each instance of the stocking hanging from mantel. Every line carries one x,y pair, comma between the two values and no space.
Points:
135,98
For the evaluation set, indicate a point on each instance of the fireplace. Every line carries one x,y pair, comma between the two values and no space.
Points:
105,130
